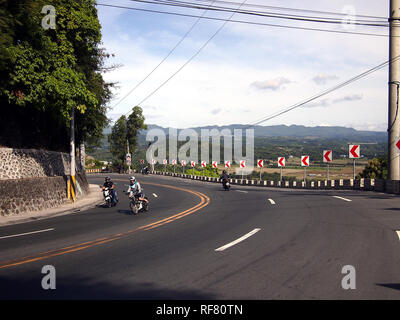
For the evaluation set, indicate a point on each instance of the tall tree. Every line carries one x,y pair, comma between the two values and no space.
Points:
50,72
124,131
117,139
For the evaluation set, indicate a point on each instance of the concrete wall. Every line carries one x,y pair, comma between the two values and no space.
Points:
32,180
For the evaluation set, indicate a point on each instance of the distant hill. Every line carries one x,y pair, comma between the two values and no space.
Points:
349,134
273,141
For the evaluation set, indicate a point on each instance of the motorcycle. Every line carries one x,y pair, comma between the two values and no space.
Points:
226,185
107,197
136,205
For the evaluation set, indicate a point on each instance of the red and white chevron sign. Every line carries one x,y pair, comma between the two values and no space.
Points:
281,161
141,161
203,164
183,163
215,164
227,164
165,161
260,163
398,145
354,151
305,161
192,163
327,155
174,162
243,163
153,161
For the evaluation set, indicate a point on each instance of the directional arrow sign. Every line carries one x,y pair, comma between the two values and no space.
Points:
398,145
183,162
193,164
142,161
327,155
203,164
281,161
174,162
242,163
227,164
214,164
354,151
305,161
153,161
260,163
165,161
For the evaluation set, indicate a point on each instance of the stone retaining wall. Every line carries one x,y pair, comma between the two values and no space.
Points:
32,180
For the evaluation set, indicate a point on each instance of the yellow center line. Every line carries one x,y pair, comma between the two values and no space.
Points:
204,201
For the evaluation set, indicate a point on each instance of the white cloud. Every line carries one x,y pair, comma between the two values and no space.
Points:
273,84
352,97
322,79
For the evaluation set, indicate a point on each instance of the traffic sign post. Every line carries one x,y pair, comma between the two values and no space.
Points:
260,164
305,162
183,163
242,165
327,158
128,161
281,164
193,164
354,153
174,164
165,161
204,164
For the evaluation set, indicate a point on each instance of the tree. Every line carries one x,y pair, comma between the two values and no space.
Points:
126,130
134,124
375,169
50,72
117,139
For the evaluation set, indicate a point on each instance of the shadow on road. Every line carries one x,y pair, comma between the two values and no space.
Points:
395,286
82,288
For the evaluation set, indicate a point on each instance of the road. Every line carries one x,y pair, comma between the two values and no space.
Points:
200,242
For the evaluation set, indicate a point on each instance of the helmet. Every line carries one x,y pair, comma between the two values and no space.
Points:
107,179
224,171
132,178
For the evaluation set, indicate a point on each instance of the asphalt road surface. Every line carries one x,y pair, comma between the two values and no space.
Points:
200,242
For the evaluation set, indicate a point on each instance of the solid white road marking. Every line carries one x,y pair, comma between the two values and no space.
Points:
26,233
155,195
238,240
241,191
398,234
342,198
272,201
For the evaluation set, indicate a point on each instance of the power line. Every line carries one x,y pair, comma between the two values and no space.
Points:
343,84
162,61
190,59
245,22
294,9
302,18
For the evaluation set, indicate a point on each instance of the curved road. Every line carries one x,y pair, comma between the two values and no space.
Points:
200,242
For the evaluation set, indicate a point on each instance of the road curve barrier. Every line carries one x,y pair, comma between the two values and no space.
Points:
379,185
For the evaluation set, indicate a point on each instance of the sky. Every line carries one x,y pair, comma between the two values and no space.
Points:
246,72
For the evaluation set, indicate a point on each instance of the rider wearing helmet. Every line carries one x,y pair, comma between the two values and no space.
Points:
110,185
135,187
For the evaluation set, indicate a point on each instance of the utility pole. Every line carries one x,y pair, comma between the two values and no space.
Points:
394,82
72,155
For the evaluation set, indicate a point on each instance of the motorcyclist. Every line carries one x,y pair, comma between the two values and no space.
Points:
136,189
224,177
110,185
